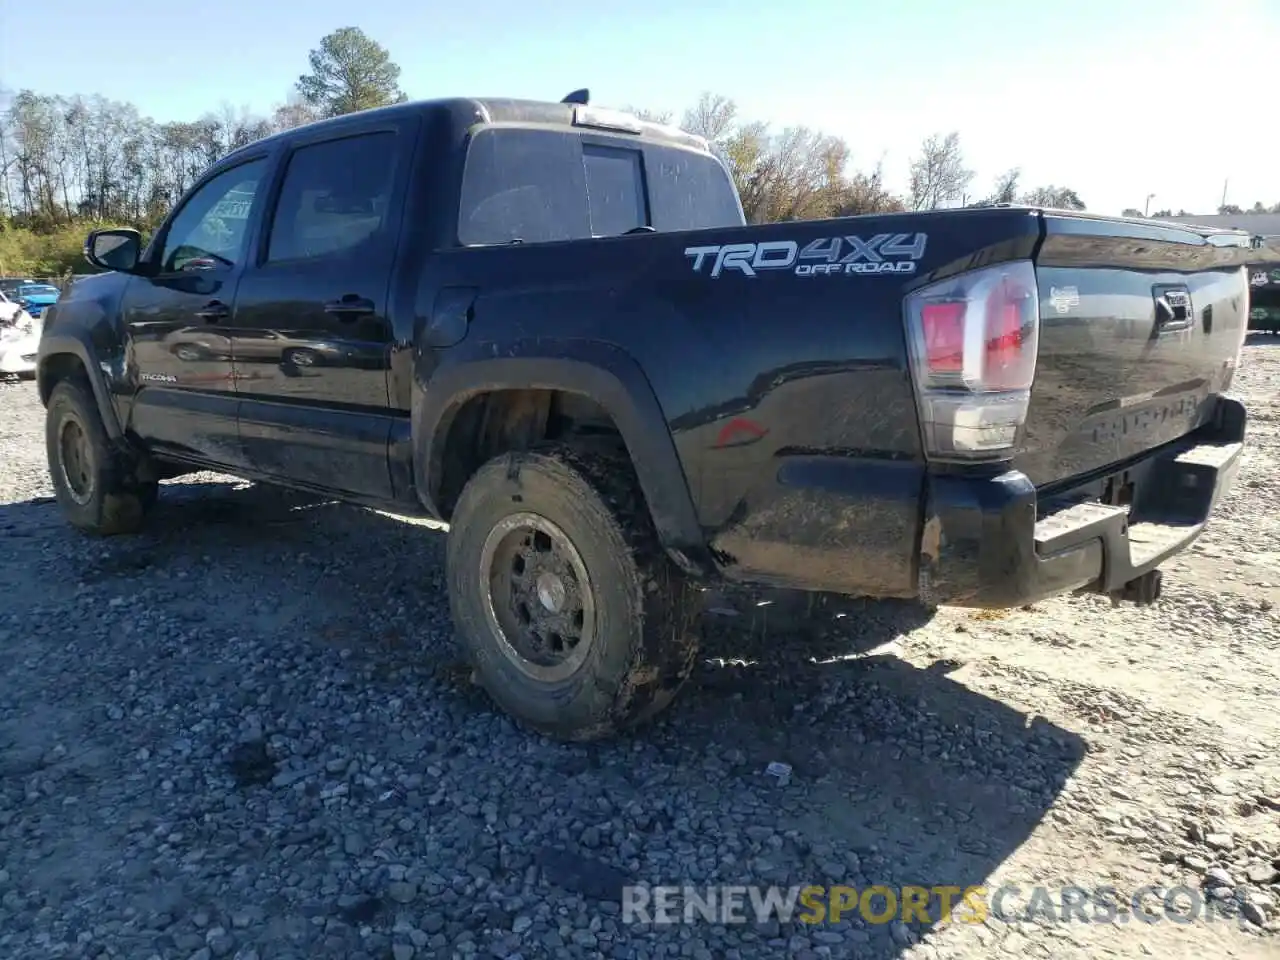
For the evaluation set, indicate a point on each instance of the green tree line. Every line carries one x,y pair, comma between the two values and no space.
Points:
68,163
1228,209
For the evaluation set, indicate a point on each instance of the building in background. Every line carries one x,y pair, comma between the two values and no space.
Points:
1259,224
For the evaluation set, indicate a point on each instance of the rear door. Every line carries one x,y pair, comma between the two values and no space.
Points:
312,333
179,340
1140,325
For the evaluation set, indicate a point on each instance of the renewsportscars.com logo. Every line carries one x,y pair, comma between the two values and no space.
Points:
893,253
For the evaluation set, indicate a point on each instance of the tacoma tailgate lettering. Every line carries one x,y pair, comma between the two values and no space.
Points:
1145,418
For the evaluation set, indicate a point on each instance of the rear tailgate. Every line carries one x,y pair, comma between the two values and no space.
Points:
1141,326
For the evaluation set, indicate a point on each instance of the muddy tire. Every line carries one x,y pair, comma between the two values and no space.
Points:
91,481
574,619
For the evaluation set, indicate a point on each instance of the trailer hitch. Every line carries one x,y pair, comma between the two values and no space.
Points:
1142,591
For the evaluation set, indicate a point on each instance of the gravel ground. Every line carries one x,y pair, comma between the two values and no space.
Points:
246,734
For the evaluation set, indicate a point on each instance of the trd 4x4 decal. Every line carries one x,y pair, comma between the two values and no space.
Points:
894,253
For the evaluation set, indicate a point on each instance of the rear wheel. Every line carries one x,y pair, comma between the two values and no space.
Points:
302,357
91,482
576,621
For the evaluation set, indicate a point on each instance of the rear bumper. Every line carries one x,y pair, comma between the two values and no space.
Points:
994,543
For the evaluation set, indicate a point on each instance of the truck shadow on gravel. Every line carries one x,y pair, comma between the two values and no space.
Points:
898,775
927,781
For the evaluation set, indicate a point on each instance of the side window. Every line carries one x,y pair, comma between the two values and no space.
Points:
209,231
615,189
334,198
522,185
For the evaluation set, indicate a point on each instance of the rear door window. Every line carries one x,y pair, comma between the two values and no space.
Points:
335,197
524,185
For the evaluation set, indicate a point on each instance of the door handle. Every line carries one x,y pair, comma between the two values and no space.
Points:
349,307
213,311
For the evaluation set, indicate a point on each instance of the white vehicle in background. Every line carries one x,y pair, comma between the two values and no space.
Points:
19,339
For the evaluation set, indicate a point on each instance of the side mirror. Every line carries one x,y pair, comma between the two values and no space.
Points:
117,249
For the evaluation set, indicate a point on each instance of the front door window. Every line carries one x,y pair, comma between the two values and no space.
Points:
211,228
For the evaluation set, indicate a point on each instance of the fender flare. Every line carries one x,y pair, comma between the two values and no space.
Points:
606,374
77,345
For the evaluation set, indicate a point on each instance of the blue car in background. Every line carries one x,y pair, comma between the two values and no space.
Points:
35,297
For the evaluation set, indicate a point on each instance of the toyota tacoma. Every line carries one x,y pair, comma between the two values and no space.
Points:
549,325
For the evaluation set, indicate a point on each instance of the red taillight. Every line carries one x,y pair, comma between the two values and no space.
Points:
1002,368
973,344
943,336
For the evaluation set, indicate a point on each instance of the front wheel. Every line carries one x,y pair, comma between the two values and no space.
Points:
188,353
576,621
95,492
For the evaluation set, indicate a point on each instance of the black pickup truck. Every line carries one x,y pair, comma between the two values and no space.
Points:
548,325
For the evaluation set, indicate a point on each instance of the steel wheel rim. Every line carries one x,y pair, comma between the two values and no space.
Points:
539,601
75,458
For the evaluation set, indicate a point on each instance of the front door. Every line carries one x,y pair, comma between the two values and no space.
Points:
178,319
312,335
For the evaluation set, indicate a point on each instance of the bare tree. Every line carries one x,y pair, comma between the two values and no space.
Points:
64,159
651,116
939,176
713,117
294,112
1059,198
1006,189
864,193
7,158
91,158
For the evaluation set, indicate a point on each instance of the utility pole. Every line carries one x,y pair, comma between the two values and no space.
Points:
1224,192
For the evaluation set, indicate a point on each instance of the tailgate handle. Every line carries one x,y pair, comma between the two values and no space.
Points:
1173,308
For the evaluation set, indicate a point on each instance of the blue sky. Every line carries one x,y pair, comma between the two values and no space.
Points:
1116,99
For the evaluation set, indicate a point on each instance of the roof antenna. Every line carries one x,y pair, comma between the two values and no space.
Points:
578,96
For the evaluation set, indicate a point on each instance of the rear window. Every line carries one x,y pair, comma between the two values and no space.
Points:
615,190
543,185
690,191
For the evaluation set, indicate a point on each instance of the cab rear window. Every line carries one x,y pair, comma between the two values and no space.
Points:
537,185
